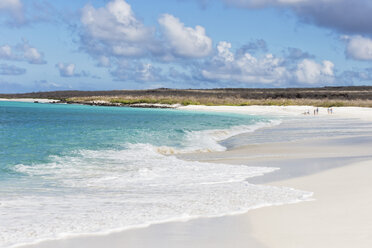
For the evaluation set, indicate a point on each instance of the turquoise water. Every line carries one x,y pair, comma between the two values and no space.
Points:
71,169
30,132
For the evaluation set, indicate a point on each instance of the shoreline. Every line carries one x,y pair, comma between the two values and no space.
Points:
30,100
303,224
364,113
286,111
248,229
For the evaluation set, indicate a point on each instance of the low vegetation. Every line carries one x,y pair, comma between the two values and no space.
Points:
124,100
321,97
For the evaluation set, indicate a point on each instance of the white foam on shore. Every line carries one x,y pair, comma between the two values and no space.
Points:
98,192
92,192
208,140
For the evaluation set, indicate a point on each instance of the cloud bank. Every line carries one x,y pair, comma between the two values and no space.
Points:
268,69
114,32
13,8
22,52
11,70
358,47
345,16
118,40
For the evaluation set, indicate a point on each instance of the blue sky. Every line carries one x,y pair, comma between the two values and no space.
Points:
139,44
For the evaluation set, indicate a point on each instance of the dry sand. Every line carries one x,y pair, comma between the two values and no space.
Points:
340,216
343,112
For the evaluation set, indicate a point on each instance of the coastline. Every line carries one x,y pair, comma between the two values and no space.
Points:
338,217
320,163
338,173
36,100
316,156
363,113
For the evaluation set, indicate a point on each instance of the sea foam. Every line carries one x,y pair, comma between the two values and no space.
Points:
209,140
91,192
101,191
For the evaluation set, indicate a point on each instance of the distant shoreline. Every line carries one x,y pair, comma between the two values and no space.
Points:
357,96
363,113
35,100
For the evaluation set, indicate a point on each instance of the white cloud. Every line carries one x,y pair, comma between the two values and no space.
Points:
359,48
310,72
32,55
245,68
147,73
137,72
66,70
115,30
22,52
6,52
185,41
268,69
69,70
117,39
224,52
104,61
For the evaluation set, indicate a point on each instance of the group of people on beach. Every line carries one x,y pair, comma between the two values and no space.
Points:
316,111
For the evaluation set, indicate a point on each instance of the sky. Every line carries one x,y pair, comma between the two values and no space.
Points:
50,45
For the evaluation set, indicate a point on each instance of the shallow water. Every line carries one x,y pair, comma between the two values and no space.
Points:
69,169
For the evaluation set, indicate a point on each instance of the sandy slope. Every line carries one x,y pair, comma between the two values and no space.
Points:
339,217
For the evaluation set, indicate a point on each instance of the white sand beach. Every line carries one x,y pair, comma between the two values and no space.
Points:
39,100
339,216
335,164
343,112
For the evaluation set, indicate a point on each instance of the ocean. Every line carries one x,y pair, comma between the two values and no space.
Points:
69,170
